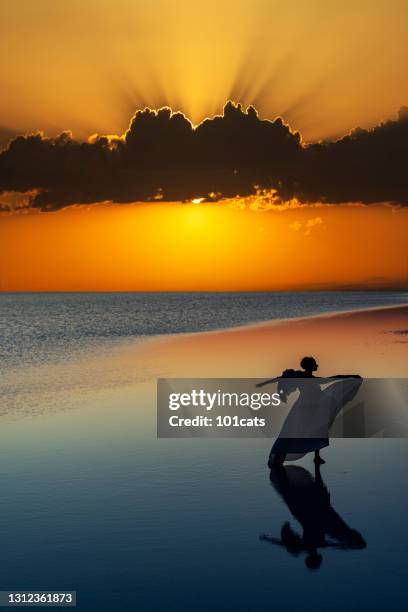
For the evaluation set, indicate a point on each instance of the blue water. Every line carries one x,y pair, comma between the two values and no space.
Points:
100,506
92,501
38,328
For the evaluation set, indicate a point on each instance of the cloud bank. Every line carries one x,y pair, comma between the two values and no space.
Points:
162,156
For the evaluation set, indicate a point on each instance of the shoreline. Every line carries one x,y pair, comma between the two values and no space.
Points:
270,322
369,339
372,342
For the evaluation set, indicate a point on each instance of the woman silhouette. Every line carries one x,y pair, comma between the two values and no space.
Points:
308,500
306,428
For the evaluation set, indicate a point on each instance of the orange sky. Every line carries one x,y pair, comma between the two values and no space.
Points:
326,66
204,247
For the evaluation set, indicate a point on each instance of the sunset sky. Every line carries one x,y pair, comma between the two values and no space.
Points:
157,247
325,67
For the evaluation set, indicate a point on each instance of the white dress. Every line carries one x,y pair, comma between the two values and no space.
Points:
306,427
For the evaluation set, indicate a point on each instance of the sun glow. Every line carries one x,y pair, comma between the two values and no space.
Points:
87,67
182,246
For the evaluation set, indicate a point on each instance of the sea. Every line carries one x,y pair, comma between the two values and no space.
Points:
93,502
38,328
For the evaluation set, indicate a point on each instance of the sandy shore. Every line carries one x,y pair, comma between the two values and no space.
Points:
370,342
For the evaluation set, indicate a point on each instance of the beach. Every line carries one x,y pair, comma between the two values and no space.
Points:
204,306
371,342
93,501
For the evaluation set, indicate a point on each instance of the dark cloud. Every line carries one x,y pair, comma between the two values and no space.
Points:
162,153
365,166
6,134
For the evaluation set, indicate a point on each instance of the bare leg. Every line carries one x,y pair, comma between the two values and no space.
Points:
318,476
317,458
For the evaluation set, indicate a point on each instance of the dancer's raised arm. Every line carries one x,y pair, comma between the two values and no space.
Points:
268,382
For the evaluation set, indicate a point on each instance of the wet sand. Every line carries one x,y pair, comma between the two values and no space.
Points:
372,343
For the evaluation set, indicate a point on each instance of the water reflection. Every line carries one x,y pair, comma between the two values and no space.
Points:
308,499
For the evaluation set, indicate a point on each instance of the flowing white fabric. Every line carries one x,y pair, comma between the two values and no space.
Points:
312,415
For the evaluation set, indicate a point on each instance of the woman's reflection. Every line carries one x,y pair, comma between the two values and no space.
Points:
308,499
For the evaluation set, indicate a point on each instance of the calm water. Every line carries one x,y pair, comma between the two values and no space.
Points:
92,501
41,328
